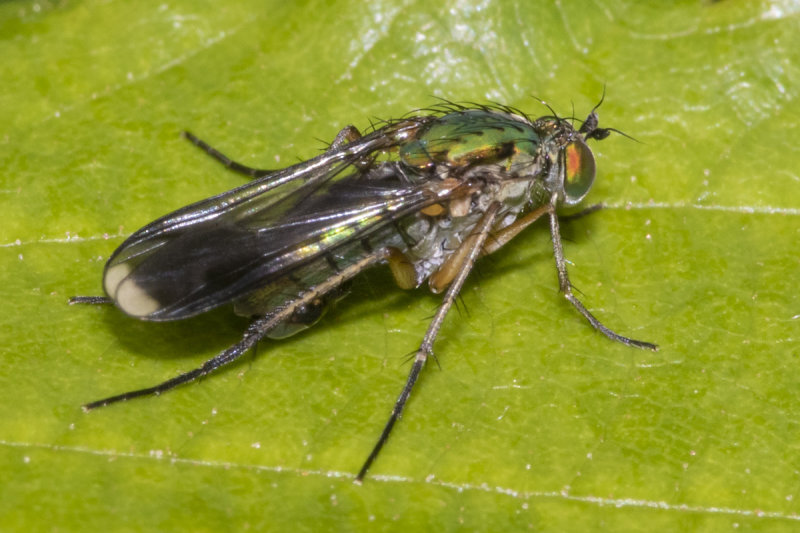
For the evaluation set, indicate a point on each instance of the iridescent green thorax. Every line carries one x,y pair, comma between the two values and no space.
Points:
549,150
472,136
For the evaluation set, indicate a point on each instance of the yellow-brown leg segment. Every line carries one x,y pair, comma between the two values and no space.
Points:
498,239
403,271
440,279
348,134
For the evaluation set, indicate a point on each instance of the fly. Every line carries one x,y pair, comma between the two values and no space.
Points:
426,194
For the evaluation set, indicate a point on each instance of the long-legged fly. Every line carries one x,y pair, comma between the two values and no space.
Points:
427,195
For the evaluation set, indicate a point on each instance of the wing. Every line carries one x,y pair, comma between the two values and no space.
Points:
222,248
272,188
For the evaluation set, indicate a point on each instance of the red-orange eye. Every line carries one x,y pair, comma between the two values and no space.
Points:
578,171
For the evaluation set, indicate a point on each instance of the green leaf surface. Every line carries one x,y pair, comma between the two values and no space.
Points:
533,420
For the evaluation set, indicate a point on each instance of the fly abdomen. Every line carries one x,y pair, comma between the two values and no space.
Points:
298,281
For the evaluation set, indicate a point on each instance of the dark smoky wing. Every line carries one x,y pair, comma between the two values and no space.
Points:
194,268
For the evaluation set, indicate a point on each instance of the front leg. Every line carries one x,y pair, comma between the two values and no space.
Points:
566,287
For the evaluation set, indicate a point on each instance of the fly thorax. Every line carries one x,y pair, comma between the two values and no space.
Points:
539,193
515,193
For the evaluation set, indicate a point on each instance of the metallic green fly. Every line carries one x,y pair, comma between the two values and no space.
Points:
427,194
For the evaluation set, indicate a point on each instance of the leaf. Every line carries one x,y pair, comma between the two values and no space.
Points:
533,420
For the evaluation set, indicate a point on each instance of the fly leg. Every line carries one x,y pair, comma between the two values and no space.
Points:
583,212
474,245
91,300
348,134
566,287
225,160
498,239
257,330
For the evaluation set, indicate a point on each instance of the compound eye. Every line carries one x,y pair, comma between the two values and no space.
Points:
579,171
